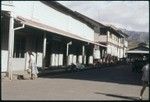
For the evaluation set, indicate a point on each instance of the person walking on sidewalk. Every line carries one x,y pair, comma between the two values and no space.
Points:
145,78
32,65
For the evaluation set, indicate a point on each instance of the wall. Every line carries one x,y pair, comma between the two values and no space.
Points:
18,64
40,12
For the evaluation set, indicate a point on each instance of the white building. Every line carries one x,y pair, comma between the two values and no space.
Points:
115,40
55,34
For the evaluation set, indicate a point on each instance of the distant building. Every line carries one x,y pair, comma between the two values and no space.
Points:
115,40
141,52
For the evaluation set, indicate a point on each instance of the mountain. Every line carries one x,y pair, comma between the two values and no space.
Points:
136,37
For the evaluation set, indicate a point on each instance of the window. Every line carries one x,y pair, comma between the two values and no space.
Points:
19,47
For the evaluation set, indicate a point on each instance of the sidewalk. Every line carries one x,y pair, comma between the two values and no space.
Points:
61,70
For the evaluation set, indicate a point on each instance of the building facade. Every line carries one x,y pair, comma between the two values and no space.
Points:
99,51
54,33
114,39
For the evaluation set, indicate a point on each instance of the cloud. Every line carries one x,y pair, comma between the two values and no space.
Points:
130,15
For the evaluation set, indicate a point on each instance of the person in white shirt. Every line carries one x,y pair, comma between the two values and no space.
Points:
145,78
32,65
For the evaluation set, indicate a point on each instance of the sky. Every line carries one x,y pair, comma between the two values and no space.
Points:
129,15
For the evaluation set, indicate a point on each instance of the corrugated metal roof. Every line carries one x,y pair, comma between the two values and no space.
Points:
141,48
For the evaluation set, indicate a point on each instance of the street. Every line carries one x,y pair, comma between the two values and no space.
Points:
109,83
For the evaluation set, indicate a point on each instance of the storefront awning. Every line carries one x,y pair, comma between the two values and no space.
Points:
54,30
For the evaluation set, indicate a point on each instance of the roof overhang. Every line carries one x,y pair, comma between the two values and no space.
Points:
115,31
54,30
124,34
91,21
67,11
138,52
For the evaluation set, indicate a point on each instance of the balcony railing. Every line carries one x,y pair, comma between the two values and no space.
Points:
102,38
115,42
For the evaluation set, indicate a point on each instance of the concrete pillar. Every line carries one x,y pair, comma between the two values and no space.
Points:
74,59
10,46
80,59
83,53
70,59
53,59
67,51
84,59
93,50
90,60
60,62
56,59
100,52
44,49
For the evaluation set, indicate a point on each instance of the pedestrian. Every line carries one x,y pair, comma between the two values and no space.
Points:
145,78
32,65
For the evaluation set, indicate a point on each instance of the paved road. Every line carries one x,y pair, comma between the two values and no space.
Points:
110,83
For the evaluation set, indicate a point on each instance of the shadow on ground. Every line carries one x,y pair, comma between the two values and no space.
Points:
121,74
119,96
